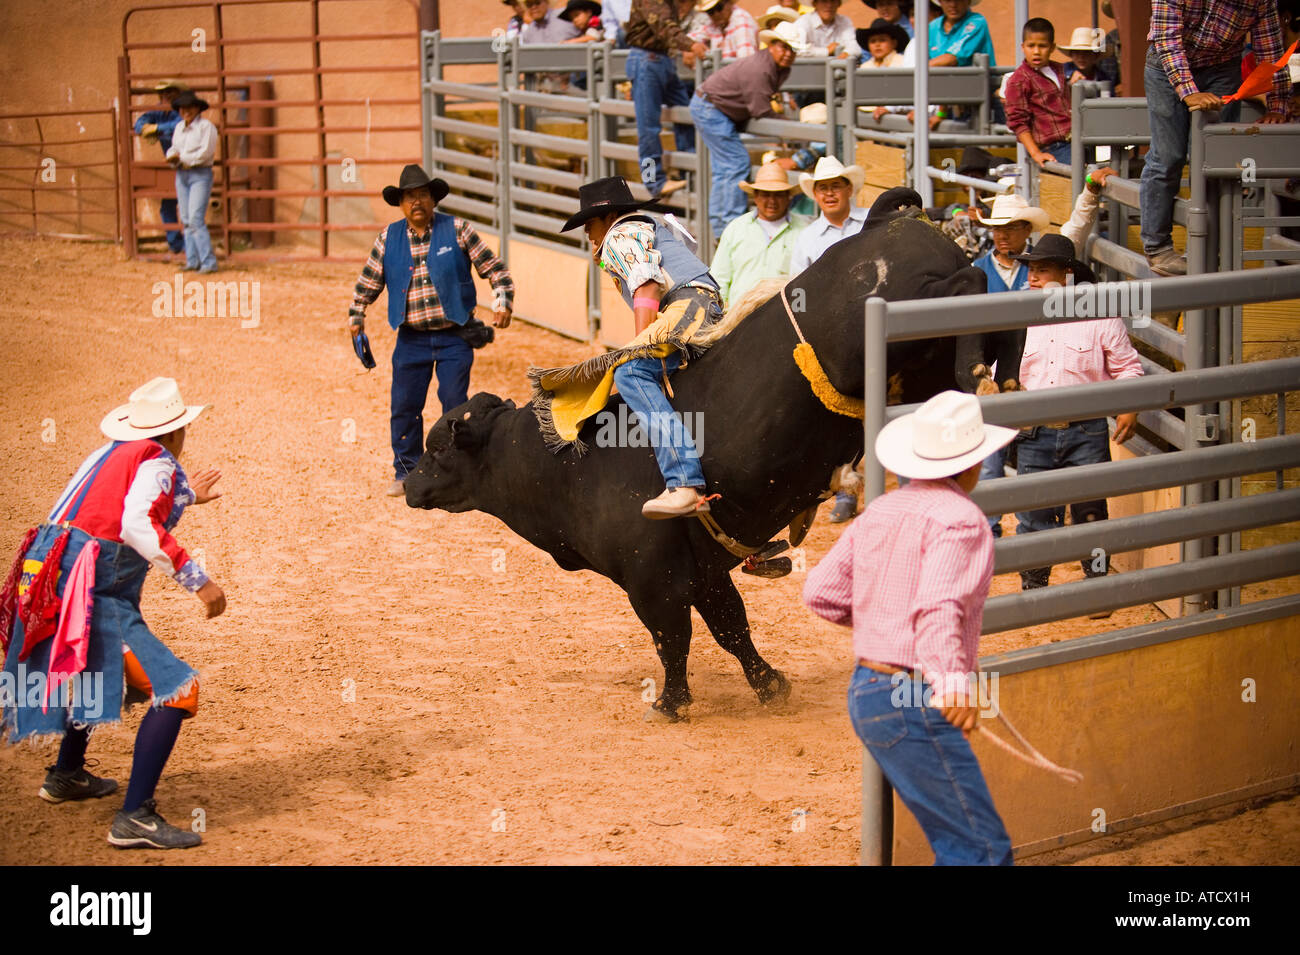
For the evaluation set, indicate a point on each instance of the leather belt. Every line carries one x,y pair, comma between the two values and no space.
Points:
886,668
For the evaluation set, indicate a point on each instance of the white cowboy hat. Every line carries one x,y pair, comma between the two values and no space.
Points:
1012,208
828,167
704,6
814,113
154,409
787,33
776,14
943,437
771,178
1086,40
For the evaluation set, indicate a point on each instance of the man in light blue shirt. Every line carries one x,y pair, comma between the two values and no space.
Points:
958,35
832,186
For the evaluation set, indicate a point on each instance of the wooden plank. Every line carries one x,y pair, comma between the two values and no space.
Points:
1149,502
1272,322
1054,198
885,166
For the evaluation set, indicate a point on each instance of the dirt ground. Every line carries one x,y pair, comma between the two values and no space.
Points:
399,686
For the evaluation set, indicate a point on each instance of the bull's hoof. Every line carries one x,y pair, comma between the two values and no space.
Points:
655,714
775,690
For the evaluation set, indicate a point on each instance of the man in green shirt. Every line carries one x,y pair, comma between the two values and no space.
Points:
757,245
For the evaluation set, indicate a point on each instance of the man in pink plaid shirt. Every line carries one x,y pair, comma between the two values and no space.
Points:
722,25
910,576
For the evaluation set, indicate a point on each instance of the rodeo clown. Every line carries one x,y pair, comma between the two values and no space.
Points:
72,603
674,301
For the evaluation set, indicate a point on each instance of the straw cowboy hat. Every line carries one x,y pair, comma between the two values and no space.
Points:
943,437
1012,208
704,6
1084,40
177,85
154,409
776,14
771,178
1057,248
413,177
814,113
828,167
786,33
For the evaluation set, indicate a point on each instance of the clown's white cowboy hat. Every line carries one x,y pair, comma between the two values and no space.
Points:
155,409
771,178
776,14
942,438
814,113
1086,40
786,33
1012,208
828,167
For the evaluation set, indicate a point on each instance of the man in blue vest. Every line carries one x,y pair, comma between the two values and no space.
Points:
156,125
424,261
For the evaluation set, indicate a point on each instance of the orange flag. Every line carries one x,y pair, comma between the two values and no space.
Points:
1260,80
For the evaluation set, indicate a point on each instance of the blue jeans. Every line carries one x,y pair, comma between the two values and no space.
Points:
638,381
1049,449
932,768
729,160
655,84
167,212
1170,123
193,189
1059,151
995,466
415,357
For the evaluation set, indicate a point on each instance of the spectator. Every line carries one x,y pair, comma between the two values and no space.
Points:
543,25
832,185
585,17
1087,51
1073,353
827,32
757,246
614,16
884,43
776,14
1194,60
1011,222
729,99
1038,104
911,578
654,36
892,11
723,25
959,34
516,22
156,125
194,146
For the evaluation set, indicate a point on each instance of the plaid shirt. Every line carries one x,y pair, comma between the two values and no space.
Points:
1037,104
1188,34
423,310
740,38
910,576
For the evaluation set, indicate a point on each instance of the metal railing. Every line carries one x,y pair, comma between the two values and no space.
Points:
1203,459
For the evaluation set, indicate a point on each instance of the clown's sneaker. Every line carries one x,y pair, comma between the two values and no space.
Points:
143,828
62,785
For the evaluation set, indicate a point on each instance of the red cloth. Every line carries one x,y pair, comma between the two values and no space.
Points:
72,639
1037,104
39,607
1260,80
9,595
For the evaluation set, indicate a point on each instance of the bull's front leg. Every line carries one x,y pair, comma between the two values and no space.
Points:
668,618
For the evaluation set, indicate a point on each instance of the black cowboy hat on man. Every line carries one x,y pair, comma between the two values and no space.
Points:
413,177
1060,250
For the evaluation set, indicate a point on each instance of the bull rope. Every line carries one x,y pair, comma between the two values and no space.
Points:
811,368
1032,756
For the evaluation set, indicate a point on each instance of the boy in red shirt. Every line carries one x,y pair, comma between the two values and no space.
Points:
1038,98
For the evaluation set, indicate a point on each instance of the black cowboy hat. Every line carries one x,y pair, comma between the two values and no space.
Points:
573,6
883,26
187,98
605,196
413,177
1057,248
976,162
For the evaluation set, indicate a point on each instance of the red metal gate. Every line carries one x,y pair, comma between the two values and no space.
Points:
299,98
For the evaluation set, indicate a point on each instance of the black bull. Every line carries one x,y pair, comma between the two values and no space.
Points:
769,448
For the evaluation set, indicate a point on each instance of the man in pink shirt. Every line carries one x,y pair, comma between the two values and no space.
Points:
1073,353
910,576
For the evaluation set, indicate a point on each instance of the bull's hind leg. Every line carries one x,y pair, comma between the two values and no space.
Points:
723,610
668,618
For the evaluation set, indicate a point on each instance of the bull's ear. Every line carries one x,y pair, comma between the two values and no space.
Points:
462,434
